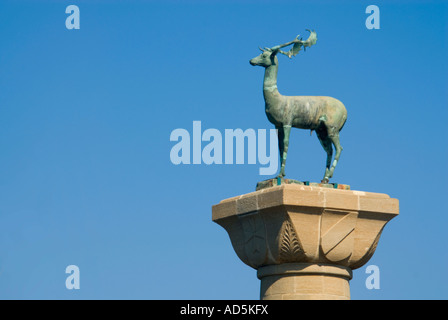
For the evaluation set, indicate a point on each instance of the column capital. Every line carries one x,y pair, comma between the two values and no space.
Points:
305,224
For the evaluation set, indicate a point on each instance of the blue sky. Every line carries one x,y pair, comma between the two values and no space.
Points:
86,117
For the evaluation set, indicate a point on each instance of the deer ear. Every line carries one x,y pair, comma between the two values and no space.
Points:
274,53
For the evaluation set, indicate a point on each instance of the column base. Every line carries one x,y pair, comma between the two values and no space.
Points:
304,281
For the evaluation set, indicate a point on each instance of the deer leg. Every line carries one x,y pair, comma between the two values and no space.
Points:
285,141
326,144
280,135
334,137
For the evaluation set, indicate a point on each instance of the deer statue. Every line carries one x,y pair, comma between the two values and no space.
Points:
325,115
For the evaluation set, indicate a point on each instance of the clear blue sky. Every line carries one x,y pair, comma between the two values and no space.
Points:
86,116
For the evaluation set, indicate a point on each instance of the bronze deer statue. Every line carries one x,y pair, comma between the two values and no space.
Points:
325,115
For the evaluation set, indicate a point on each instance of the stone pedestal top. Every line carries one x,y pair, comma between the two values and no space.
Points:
305,196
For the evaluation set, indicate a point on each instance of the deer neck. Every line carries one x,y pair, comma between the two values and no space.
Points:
270,90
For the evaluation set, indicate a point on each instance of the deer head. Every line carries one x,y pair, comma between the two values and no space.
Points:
268,55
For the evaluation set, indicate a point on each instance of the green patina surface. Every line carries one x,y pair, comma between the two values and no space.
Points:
325,115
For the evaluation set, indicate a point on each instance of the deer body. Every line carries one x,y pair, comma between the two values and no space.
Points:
325,115
303,112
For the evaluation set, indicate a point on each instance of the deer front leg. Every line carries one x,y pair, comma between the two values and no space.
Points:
286,130
280,136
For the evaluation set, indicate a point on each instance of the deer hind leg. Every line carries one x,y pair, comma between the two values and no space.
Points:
333,134
283,143
325,141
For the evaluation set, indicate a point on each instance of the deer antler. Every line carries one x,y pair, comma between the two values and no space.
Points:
298,44
311,39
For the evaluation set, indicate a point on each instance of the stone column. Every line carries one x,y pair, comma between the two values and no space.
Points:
304,241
